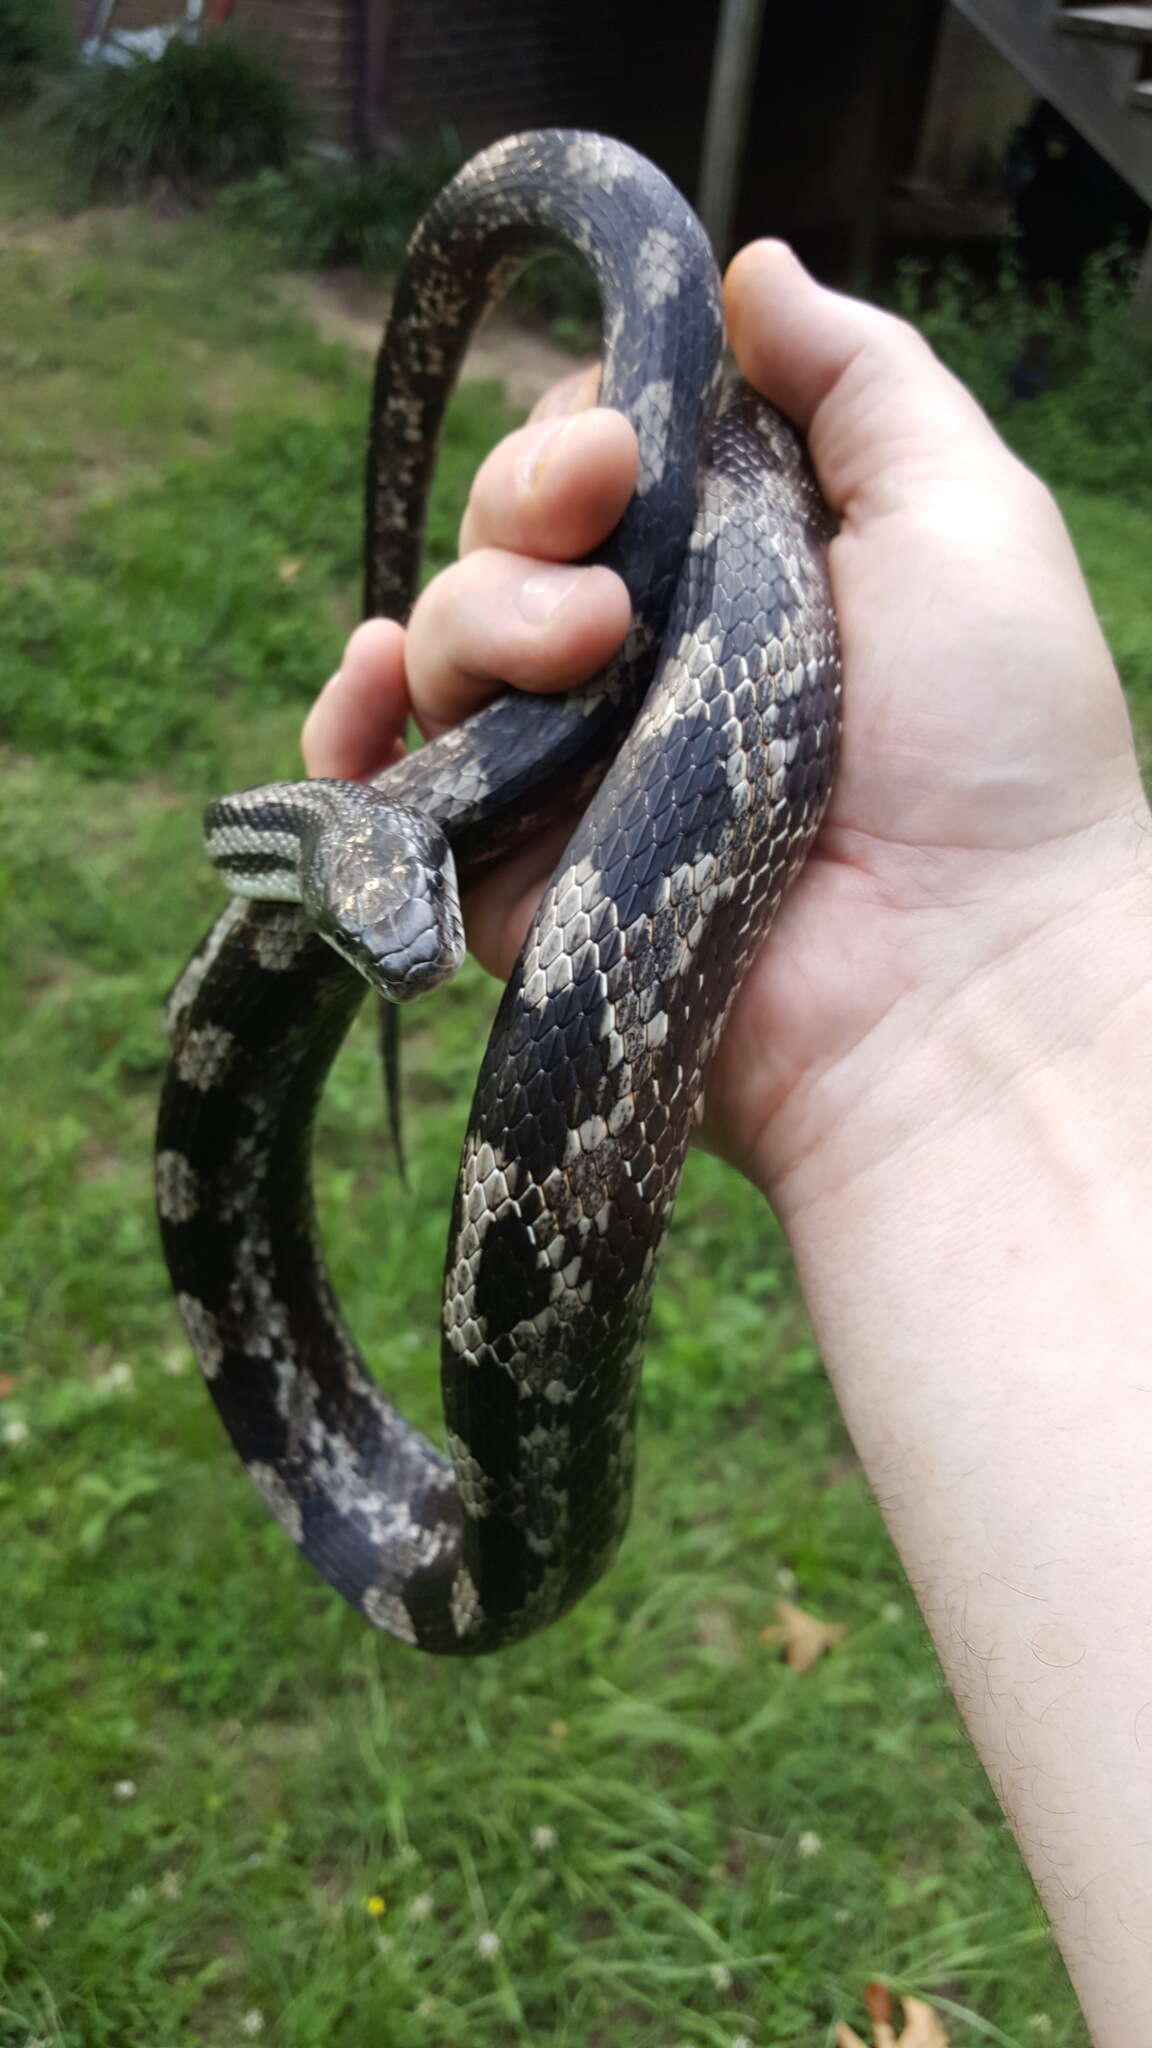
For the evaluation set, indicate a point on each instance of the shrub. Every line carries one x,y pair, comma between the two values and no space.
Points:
31,42
1069,378
316,215
198,115
360,214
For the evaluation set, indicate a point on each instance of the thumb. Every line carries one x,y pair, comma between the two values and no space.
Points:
887,424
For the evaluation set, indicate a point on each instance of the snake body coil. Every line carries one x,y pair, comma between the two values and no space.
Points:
712,784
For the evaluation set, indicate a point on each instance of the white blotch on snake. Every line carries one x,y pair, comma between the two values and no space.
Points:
204,1058
274,1493
203,1334
177,1193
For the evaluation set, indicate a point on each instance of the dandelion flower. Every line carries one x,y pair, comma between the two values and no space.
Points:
809,1844
14,1434
420,1907
42,1922
125,1788
543,1838
375,1905
488,1944
252,2022
721,1976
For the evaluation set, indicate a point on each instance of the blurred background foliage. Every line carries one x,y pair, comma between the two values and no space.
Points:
230,1810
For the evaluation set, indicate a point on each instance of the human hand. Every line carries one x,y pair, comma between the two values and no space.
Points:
987,802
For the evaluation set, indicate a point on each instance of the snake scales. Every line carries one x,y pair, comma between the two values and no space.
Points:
709,785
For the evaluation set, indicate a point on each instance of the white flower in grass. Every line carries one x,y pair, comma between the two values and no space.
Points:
175,1362
809,1844
37,1639
252,2022
125,1788
741,2041
171,1885
1039,2023
117,1380
14,1434
786,1579
42,1922
721,1976
420,1907
543,1839
892,1611
488,1944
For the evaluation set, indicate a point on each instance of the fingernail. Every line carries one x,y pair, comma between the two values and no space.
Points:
540,593
535,457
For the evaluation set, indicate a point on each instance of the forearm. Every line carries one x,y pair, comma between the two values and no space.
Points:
976,1260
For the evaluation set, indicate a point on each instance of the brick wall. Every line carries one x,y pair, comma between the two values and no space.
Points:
486,67
316,44
133,14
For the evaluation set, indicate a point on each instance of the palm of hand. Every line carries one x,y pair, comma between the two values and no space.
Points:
983,731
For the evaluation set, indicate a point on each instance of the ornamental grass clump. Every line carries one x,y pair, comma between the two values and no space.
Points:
197,116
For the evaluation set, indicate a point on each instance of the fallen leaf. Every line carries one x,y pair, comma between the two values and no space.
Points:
802,1638
922,2028
288,571
7,1385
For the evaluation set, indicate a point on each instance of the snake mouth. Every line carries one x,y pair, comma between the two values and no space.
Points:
400,958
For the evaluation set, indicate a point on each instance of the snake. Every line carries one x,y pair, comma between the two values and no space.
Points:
702,757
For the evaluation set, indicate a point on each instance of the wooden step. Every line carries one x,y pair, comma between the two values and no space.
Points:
1118,24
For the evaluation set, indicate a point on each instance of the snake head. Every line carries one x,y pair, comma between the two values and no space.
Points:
379,883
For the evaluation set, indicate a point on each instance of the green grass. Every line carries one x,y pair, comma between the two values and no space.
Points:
208,1765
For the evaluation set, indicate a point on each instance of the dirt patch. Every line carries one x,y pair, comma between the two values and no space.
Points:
344,305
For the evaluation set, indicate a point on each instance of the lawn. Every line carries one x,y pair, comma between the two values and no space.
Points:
229,1809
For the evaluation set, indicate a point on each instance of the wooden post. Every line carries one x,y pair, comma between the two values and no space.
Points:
726,122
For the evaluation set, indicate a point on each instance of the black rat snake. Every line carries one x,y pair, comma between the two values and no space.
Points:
709,796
